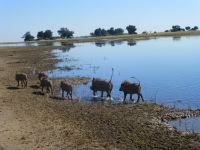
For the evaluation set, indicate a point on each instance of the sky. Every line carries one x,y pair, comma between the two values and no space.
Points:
83,16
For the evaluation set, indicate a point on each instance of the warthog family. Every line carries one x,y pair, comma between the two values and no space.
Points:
97,85
48,84
66,87
131,88
23,78
102,86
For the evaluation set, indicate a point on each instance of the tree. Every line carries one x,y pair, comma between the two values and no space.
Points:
187,28
97,32
100,32
65,33
119,31
40,35
131,29
103,32
111,31
176,28
28,37
48,34
195,28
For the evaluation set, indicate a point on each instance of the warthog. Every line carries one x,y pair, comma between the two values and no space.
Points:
23,78
66,87
42,75
131,88
48,84
102,86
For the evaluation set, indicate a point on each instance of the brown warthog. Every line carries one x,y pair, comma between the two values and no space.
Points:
48,84
131,88
42,75
66,87
23,78
102,86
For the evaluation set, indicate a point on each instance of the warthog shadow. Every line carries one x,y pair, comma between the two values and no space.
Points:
38,93
13,88
34,86
1,148
57,97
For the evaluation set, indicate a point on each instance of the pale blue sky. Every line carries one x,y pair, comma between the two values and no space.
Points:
83,16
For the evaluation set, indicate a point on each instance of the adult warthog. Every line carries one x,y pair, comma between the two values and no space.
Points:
102,86
131,88
23,78
66,87
48,84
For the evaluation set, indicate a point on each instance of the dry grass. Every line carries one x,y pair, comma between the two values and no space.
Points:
115,37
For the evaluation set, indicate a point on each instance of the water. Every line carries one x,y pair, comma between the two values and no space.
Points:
38,44
168,68
187,125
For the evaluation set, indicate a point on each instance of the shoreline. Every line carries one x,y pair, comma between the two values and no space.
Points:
116,37
41,122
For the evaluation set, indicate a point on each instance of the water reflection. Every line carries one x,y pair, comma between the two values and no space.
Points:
167,70
40,44
176,38
131,43
100,44
114,43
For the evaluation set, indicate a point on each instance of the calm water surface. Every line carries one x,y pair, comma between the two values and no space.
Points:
168,68
187,125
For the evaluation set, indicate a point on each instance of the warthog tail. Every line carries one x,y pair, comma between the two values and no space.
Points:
137,80
111,75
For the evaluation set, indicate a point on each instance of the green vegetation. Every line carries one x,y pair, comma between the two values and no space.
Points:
110,34
48,34
177,28
65,33
131,29
111,31
28,37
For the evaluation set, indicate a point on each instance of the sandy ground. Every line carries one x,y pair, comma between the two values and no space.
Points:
32,121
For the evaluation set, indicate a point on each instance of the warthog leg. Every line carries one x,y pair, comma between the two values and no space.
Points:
131,97
140,95
63,94
70,94
94,92
108,94
125,96
101,93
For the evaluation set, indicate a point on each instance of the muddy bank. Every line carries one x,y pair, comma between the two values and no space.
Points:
40,122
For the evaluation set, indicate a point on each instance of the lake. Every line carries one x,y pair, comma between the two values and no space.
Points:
187,125
168,68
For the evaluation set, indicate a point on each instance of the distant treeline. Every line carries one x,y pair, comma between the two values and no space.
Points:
112,31
48,35
66,33
178,28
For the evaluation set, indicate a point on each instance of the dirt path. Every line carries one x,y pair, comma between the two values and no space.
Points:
12,127
27,121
